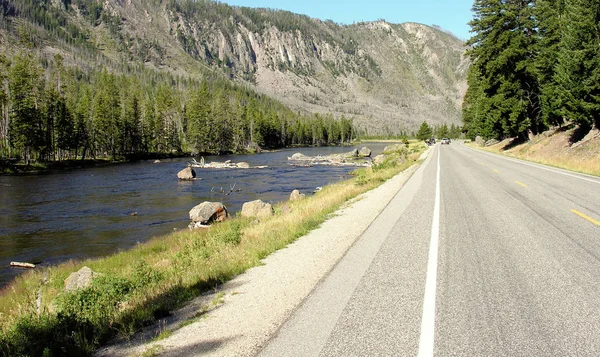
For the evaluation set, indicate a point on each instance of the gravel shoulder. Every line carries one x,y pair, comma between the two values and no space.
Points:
239,318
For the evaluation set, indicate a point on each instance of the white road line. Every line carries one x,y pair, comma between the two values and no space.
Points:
428,320
539,166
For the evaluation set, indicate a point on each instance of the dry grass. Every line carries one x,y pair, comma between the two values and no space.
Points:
554,148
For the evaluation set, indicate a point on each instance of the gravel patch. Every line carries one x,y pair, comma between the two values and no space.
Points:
240,318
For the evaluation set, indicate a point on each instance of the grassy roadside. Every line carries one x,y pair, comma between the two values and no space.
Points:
139,286
554,148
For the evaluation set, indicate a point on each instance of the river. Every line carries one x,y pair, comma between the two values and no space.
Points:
50,218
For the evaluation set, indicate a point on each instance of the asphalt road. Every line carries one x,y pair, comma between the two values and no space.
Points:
512,255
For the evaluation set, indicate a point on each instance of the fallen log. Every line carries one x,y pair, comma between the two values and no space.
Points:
22,265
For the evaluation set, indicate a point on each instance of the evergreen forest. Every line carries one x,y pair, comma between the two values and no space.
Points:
79,104
535,65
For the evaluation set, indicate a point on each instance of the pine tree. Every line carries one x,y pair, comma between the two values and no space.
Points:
424,132
4,122
578,70
26,125
549,16
506,87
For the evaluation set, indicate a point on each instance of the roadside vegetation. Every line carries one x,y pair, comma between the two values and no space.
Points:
534,66
554,148
136,288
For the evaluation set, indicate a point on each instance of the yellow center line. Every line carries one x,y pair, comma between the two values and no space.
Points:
586,217
496,171
483,163
521,183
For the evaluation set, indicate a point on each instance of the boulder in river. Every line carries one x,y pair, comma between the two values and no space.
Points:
257,209
187,174
296,195
243,165
80,279
208,212
364,152
353,153
299,156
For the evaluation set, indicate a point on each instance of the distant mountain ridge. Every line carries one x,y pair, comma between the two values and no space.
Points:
388,77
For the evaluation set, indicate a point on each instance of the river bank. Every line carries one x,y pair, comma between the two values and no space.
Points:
144,284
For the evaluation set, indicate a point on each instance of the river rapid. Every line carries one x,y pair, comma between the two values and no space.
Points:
50,218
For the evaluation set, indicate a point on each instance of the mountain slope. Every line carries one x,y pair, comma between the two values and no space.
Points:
388,77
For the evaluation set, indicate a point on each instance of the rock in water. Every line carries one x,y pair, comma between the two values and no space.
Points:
257,208
208,212
243,165
353,153
80,279
364,152
299,156
296,195
187,174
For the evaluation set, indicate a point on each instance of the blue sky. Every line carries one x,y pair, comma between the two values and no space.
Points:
451,15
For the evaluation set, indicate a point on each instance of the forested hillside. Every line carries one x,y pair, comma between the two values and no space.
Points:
267,71
63,97
536,64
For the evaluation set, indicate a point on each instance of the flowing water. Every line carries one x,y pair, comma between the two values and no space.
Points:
50,218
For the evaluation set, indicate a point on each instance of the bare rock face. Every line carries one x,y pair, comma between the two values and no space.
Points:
80,279
364,152
208,212
296,195
257,209
187,174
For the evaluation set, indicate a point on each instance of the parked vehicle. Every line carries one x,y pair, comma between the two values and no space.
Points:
445,141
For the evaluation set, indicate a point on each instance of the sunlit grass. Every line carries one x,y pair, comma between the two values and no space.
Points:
142,285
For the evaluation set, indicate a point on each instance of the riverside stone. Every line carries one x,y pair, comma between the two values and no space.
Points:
296,195
208,212
80,279
257,209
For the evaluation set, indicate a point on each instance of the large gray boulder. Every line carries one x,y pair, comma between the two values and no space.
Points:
296,195
479,141
187,174
257,209
208,212
364,152
80,279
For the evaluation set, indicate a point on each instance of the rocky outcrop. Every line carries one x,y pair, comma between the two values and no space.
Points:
208,212
257,209
80,279
223,165
187,174
296,195
351,158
